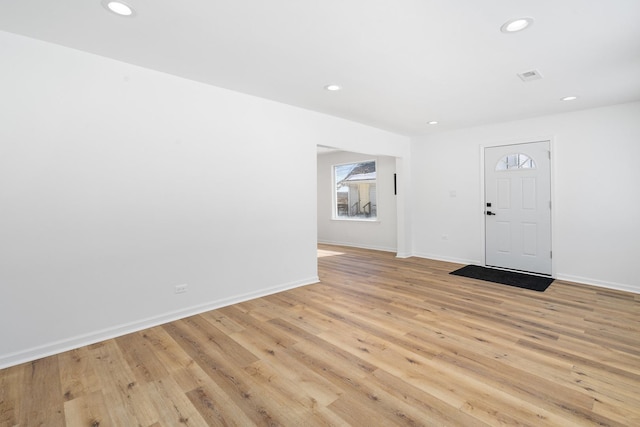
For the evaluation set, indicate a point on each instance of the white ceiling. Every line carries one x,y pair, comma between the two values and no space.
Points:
401,63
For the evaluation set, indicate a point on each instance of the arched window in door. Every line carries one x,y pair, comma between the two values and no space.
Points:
515,161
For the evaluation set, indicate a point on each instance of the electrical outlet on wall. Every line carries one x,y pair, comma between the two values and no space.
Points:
180,289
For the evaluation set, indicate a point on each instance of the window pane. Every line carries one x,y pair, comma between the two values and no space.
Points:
515,161
356,190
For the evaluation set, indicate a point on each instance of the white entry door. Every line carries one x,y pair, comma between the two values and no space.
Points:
518,207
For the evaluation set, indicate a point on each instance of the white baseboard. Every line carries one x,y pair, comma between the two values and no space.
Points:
71,343
448,259
599,283
358,245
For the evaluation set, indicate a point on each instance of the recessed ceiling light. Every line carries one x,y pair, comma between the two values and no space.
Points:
568,98
118,7
432,122
516,24
333,88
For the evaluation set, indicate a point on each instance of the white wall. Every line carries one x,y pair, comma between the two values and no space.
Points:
380,234
118,183
596,177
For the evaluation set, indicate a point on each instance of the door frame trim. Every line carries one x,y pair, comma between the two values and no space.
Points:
552,173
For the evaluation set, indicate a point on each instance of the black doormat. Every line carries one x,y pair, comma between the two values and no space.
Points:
511,278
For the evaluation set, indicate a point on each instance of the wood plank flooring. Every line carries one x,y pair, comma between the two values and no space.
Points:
379,341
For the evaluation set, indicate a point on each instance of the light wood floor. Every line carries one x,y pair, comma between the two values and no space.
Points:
379,342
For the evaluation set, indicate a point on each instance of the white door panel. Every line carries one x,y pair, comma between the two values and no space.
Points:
517,207
503,230
529,193
504,193
530,239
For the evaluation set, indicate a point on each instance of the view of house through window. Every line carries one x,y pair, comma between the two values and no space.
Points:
355,185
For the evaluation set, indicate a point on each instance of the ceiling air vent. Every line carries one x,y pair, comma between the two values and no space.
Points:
529,76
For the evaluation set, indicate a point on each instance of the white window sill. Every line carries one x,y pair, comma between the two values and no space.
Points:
375,221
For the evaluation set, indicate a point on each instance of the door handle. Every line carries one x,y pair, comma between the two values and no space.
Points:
490,213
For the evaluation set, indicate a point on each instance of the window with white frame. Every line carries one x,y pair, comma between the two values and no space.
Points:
355,191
